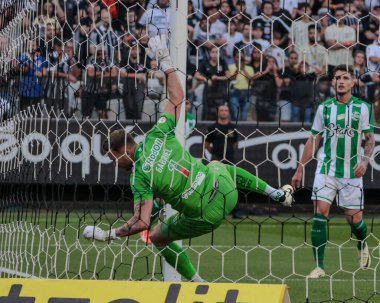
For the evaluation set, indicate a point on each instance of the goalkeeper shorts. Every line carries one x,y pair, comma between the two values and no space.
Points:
219,203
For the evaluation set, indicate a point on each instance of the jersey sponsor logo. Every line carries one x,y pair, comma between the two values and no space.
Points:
163,160
156,148
337,130
198,181
341,117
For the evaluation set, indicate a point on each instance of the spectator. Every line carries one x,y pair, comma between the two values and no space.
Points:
200,39
245,46
257,33
225,10
100,84
33,68
59,78
265,88
302,95
221,139
46,43
362,75
279,11
373,61
233,37
75,72
315,54
300,28
66,11
130,21
133,78
214,74
81,41
217,28
291,6
242,15
371,26
155,95
104,36
270,24
240,96
339,39
48,16
156,19
323,90
323,23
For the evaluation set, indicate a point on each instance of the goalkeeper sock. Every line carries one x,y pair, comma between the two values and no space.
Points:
360,231
319,238
245,180
178,259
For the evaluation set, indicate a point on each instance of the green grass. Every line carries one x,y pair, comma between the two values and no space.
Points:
256,250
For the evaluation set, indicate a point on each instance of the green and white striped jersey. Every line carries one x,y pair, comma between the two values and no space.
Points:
342,126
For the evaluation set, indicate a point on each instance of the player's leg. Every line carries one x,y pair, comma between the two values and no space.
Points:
324,192
247,181
352,199
319,234
175,228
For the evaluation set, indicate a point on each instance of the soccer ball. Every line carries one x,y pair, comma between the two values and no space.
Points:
289,200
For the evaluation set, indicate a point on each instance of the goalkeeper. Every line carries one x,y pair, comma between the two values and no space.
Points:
202,195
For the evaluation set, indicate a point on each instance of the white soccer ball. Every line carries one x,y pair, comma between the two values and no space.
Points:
289,200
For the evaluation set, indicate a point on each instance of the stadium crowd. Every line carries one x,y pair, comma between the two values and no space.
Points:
267,60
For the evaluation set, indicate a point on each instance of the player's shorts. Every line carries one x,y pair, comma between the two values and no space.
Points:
347,192
219,202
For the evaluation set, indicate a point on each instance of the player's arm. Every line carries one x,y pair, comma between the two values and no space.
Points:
158,45
310,147
140,220
361,167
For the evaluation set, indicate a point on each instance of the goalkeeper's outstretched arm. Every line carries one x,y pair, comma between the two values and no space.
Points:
158,46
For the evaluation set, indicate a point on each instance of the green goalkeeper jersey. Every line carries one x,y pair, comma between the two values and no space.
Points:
342,126
164,169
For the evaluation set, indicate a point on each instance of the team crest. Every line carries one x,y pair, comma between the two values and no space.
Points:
162,120
356,116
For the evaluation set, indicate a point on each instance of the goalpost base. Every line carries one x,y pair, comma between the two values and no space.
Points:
97,291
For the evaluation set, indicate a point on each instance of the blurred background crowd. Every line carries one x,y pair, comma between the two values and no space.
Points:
265,60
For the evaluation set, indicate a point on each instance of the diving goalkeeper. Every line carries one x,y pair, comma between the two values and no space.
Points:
202,195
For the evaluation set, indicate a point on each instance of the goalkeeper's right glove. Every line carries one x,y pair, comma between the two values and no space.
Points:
159,47
95,232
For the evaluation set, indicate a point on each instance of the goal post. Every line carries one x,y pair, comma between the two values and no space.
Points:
178,50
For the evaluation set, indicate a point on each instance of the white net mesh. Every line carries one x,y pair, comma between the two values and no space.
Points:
74,71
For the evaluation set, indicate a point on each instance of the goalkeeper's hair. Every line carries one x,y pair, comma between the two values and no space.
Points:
118,139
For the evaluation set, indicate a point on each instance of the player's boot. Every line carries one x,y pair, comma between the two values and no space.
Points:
317,273
364,258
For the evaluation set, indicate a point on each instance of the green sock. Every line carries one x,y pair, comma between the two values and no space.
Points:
246,181
360,231
178,259
319,238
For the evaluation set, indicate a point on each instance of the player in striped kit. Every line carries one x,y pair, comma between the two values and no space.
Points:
342,122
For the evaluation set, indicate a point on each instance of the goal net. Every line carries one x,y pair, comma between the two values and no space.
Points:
71,72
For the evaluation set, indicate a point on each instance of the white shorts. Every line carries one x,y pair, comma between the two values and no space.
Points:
347,192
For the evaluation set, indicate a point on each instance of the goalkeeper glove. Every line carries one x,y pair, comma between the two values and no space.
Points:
158,46
287,199
95,232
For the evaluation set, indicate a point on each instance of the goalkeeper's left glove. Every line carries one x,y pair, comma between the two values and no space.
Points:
95,232
158,46
287,199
